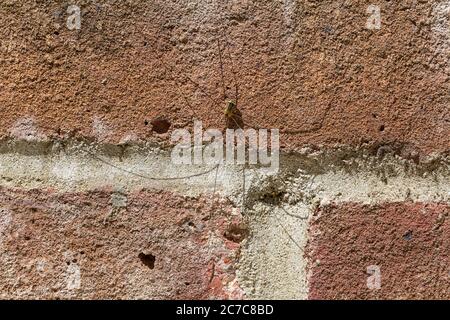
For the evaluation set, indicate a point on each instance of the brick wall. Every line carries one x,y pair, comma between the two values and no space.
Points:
88,204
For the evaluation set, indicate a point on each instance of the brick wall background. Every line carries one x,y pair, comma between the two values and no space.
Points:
359,208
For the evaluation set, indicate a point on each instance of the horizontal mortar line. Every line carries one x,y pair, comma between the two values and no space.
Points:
86,170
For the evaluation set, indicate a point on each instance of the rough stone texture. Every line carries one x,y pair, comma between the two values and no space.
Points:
310,68
85,123
106,244
409,242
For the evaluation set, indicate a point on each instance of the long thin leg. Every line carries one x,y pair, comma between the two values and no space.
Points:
221,71
106,162
194,114
233,70
196,85
294,215
288,234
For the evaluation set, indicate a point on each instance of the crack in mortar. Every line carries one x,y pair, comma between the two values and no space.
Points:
277,208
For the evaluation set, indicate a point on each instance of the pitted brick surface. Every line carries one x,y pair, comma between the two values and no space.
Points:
103,244
311,69
409,242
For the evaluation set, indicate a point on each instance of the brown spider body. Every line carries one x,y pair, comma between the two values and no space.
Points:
233,116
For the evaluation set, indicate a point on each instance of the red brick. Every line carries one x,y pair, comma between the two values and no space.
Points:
410,242
316,73
44,234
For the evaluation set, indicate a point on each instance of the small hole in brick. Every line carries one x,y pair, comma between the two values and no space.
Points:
408,235
146,122
147,259
160,125
187,283
381,128
236,233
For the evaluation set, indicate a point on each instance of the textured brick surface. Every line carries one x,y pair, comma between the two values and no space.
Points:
311,69
138,69
101,244
409,242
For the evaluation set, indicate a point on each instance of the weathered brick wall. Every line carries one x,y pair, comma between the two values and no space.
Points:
86,117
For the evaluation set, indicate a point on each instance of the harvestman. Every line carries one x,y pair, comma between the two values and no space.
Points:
234,120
